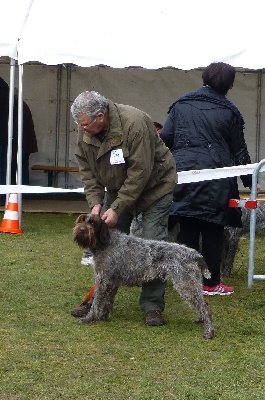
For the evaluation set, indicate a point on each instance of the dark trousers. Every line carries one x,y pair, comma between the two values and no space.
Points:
25,170
207,238
3,167
155,226
3,162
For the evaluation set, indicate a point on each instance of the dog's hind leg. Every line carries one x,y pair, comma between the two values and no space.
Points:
191,291
230,249
102,304
205,317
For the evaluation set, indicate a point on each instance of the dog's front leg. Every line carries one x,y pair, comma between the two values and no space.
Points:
102,304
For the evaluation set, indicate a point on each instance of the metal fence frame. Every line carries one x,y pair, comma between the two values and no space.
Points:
253,196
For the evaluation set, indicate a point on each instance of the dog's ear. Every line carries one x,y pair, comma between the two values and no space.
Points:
104,235
81,218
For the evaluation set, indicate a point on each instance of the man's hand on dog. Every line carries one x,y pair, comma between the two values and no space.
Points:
110,217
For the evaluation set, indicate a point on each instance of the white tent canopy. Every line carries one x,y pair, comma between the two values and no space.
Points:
13,18
153,34
150,33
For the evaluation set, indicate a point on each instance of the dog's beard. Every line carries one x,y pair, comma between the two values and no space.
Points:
84,236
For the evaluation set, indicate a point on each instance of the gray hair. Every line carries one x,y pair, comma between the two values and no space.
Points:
89,103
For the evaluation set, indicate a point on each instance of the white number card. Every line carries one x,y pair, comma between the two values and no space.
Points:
116,157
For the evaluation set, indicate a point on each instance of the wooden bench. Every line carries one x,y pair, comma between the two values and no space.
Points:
51,169
246,193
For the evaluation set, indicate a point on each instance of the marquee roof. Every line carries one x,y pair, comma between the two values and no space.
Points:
148,33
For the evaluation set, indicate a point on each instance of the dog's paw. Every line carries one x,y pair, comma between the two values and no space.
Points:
209,334
84,320
198,320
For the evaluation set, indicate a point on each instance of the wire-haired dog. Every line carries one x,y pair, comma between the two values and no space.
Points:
120,259
232,236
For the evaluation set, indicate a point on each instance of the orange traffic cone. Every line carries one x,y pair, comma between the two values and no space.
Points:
10,222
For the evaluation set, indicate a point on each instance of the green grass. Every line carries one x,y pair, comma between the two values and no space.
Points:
46,354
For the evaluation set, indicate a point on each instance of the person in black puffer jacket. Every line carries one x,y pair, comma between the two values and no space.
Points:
205,130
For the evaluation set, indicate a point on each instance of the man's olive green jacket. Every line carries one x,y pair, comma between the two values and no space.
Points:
145,171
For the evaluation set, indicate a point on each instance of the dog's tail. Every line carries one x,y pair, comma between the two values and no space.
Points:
204,268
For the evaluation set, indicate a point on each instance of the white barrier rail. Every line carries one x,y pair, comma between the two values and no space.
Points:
184,177
217,173
36,189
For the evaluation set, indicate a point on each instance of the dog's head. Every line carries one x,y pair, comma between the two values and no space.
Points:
90,231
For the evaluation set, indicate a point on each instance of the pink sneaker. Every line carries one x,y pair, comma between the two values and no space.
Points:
220,290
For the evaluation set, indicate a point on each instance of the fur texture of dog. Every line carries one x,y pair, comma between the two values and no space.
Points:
232,237
120,259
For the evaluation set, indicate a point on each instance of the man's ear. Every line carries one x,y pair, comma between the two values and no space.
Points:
100,116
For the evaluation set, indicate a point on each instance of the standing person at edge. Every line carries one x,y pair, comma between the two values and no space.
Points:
4,113
205,130
118,149
29,141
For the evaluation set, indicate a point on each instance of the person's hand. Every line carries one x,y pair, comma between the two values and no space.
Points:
110,217
258,188
96,209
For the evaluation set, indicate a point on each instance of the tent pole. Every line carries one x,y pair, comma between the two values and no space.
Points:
10,123
20,135
57,123
258,118
67,127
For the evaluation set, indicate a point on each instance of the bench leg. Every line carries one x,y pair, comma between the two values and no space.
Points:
50,178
